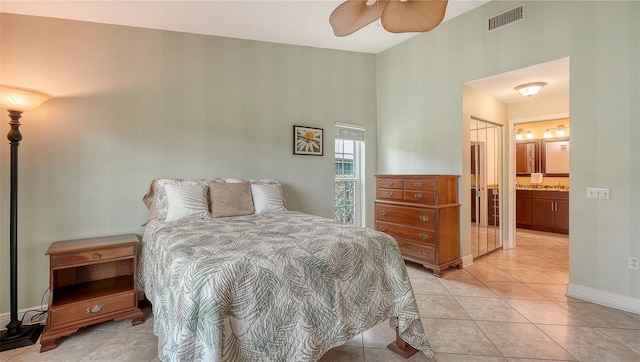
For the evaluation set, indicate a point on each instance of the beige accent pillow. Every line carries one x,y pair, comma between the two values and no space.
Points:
230,199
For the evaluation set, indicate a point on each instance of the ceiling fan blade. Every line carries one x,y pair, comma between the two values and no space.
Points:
353,15
413,15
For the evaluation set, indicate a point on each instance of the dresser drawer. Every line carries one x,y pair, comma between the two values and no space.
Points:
423,197
391,194
91,308
389,183
420,184
92,256
407,232
406,215
418,251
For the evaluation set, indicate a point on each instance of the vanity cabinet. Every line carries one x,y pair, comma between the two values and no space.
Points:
523,209
550,211
422,213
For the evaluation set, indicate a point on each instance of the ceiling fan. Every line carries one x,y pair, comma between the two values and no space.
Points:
396,16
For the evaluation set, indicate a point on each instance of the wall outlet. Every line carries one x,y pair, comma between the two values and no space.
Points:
634,263
598,193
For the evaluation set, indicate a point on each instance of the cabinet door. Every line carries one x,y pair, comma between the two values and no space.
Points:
562,214
523,211
543,212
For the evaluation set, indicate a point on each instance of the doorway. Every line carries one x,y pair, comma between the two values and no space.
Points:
486,179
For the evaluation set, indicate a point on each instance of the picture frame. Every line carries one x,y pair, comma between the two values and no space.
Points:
308,141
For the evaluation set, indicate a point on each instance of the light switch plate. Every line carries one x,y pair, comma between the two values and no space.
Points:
598,193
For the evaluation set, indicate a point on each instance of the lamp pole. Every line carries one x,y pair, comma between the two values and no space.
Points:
14,138
17,100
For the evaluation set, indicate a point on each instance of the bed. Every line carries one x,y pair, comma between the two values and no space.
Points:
270,285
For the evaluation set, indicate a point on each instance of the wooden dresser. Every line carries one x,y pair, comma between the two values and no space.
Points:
422,213
91,280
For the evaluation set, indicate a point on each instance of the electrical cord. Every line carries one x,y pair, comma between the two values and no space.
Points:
39,312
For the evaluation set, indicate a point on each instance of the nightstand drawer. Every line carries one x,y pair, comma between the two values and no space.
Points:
92,308
92,256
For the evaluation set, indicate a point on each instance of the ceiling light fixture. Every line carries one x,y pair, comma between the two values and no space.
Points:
530,89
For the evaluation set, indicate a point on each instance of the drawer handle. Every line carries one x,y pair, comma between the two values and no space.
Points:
383,212
424,252
383,228
424,236
96,256
419,196
95,309
418,184
389,183
389,193
424,218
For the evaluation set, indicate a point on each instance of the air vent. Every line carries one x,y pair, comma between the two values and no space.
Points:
507,17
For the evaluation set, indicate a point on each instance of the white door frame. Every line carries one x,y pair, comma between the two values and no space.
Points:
510,242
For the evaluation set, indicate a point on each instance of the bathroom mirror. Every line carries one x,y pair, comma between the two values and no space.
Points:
555,156
527,157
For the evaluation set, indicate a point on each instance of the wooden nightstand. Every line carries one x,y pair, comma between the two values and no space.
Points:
90,281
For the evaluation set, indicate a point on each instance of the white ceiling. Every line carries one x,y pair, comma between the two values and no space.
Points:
502,86
296,22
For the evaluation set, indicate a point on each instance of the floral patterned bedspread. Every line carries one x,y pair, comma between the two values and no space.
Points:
273,287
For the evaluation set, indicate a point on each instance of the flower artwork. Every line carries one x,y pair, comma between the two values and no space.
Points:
307,141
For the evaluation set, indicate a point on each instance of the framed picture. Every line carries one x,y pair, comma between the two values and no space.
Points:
307,141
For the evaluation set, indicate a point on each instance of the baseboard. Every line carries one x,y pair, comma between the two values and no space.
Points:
608,299
467,260
5,318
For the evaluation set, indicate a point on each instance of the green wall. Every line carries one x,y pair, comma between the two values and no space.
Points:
420,118
134,104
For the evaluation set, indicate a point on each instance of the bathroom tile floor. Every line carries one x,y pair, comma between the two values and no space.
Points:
507,306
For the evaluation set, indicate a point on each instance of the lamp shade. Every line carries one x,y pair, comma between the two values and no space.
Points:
21,99
530,89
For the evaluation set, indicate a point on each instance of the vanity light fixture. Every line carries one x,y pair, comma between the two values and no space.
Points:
530,89
547,133
529,135
519,135
560,131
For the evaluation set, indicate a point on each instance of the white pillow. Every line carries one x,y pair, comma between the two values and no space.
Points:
187,202
267,198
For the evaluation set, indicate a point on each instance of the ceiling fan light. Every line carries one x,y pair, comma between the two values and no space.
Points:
413,15
530,89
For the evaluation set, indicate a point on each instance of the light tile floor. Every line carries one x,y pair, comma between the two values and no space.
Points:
507,306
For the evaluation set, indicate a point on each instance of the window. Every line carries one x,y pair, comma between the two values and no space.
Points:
349,146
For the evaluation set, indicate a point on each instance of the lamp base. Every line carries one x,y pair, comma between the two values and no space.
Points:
25,336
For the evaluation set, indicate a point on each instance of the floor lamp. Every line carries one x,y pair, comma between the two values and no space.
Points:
17,100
